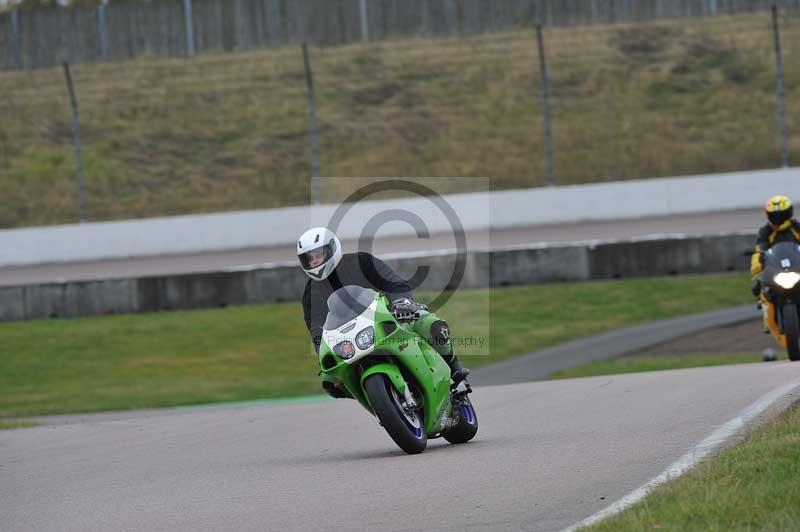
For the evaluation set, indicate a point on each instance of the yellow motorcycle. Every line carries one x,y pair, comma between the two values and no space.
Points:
780,295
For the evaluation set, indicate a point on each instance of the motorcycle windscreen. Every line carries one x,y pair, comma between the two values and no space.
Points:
783,255
346,304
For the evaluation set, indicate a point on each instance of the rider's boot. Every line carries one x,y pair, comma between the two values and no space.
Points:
335,388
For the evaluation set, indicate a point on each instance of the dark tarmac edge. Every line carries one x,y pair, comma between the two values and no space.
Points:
540,364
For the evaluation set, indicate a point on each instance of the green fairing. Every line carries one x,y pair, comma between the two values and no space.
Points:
388,369
410,358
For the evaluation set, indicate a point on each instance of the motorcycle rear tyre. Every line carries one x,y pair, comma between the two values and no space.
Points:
467,426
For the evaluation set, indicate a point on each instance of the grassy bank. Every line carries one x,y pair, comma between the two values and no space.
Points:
636,364
750,487
174,358
229,131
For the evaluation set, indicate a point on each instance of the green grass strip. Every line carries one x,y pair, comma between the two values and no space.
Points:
753,486
263,351
21,424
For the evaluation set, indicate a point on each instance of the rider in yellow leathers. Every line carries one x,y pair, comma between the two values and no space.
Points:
781,227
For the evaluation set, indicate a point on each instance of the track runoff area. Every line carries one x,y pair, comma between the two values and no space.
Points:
549,455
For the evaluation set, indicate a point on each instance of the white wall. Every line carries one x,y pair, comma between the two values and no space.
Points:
510,208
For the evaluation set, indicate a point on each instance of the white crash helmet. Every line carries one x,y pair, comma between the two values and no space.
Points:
319,251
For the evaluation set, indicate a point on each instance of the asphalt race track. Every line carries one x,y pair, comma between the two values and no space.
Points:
731,221
547,455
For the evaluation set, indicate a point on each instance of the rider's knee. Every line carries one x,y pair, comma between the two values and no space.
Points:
440,336
440,332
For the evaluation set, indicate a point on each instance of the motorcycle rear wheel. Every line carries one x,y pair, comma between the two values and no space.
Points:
791,328
467,426
405,428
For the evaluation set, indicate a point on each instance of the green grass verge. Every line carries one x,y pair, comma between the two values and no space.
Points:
753,486
10,425
229,131
636,364
176,358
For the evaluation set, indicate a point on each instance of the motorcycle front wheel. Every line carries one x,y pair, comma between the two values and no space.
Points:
404,425
791,328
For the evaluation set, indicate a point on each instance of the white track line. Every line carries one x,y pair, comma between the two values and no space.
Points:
693,457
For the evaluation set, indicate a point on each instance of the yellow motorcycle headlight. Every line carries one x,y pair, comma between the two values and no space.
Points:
787,280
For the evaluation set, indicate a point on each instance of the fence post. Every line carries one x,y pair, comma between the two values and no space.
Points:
187,15
545,96
712,7
274,23
364,20
659,9
312,125
424,18
595,12
101,30
76,135
451,17
627,8
779,89
15,38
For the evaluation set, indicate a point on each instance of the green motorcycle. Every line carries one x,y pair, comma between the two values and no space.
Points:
392,371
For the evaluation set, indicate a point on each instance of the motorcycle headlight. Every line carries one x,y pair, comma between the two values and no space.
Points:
344,349
365,337
787,280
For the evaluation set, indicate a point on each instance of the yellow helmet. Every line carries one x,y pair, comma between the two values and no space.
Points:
779,209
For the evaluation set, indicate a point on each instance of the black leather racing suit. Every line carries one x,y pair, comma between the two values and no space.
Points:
360,269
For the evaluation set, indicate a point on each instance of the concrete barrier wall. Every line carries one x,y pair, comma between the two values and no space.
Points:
501,209
518,266
669,257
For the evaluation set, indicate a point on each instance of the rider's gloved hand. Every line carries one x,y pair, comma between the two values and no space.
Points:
405,309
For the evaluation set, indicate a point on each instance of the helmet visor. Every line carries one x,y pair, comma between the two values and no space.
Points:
779,217
317,257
